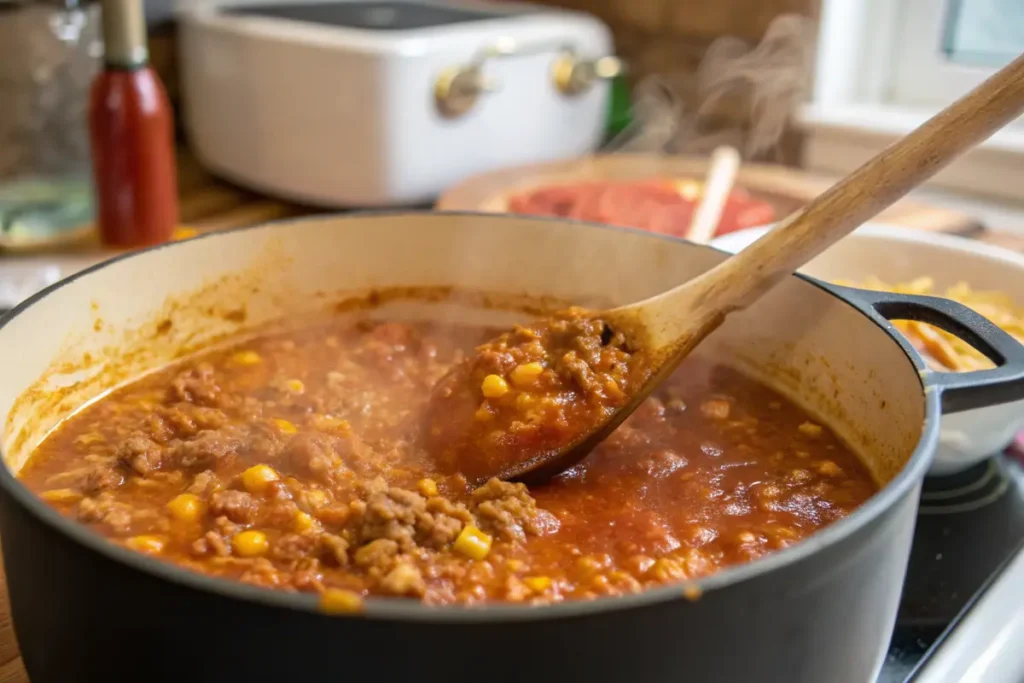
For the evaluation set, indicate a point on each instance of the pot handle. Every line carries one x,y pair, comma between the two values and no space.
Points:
959,391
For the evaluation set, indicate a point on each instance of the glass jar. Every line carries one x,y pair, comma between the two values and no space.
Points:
49,53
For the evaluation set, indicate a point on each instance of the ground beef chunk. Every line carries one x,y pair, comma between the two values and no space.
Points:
157,428
509,511
206,449
445,521
587,339
250,409
495,361
262,572
316,455
334,549
266,446
238,506
661,463
516,590
280,513
290,548
187,419
308,576
196,385
91,479
98,477
225,527
278,491
581,373
101,478
404,579
140,454
103,509
204,483
377,553
211,543
406,517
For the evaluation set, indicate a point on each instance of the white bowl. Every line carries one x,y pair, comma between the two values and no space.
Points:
898,255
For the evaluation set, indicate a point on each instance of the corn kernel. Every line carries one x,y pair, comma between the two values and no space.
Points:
339,601
483,413
61,496
592,564
329,423
257,478
515,565
746,537
829,468
526,374
427,487
472,543
304,522
538,584
284,426
185,507
246,358
667,569
494,386
295,386
250,543
692,592
716,409
810,429
525,401
316,498
146,544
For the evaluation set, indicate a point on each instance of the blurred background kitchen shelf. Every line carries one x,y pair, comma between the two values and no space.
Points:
844,116
838,108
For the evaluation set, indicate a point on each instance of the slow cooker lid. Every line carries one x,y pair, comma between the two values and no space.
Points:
374,16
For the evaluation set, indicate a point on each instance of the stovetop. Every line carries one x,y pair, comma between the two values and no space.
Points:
970,528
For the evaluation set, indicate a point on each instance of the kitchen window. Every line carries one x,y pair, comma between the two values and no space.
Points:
885,66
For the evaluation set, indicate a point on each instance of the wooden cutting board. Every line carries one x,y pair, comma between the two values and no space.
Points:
785,188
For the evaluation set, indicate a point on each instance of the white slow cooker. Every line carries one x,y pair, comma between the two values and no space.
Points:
355,103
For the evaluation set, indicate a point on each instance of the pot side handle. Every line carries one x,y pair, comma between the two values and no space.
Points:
959,391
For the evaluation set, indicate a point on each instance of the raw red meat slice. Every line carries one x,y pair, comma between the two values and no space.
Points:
654,205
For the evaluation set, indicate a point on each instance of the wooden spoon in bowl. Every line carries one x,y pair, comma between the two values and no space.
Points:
722,169
536,401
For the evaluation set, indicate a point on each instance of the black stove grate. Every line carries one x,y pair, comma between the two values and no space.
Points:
969,527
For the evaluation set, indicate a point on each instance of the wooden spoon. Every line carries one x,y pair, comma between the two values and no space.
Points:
725,164
666,327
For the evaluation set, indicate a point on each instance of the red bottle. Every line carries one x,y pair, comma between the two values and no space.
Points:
132,135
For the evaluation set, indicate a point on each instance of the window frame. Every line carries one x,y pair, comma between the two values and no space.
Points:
922,77
860,103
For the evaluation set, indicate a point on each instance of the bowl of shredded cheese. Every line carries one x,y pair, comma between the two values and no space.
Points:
988,279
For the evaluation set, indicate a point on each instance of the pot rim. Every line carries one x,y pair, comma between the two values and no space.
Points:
392,609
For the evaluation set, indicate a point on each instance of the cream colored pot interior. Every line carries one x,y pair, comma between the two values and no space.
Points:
139,313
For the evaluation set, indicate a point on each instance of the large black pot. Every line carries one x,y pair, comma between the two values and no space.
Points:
821,611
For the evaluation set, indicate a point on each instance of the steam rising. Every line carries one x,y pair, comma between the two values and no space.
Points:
743,96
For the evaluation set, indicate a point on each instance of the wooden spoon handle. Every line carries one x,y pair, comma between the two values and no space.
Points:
860,196
725,163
